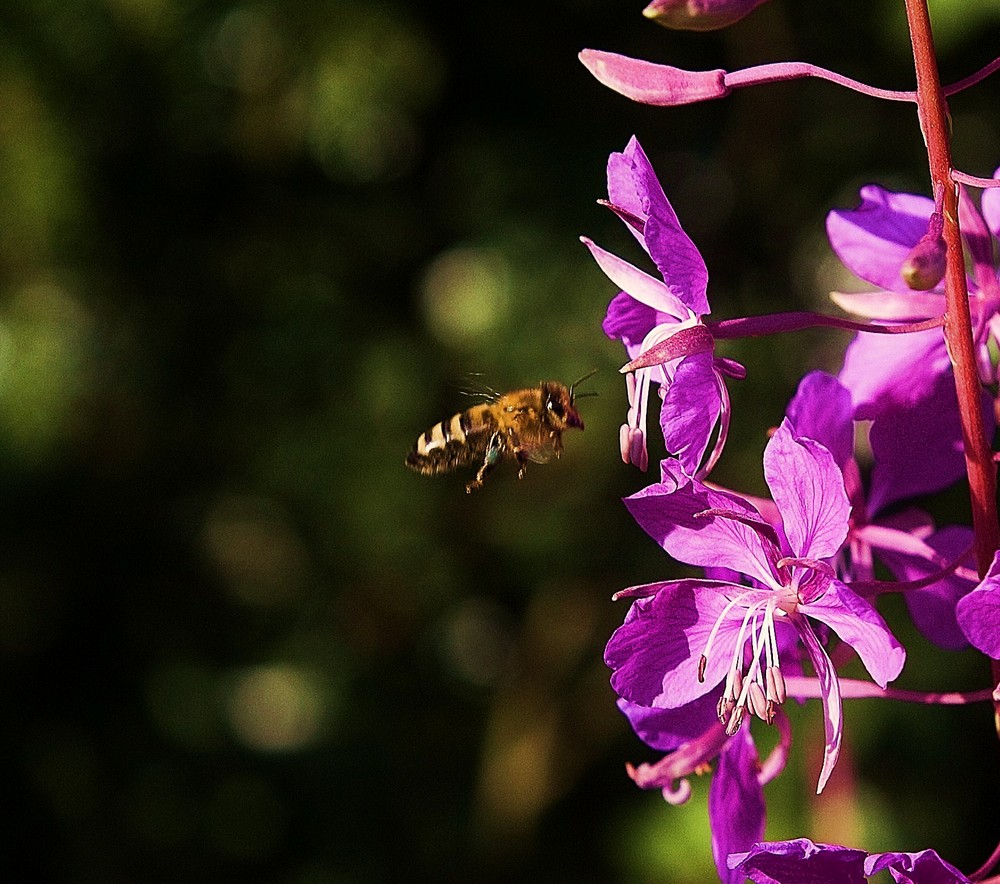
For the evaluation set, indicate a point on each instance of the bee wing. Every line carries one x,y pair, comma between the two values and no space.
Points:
542,454
473,385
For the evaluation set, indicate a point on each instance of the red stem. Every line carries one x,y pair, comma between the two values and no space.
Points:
932,110
934,121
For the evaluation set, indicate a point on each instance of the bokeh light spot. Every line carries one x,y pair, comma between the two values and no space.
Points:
275,708
254,547
466,294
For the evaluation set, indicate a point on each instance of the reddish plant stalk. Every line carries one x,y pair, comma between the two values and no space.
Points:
934,122
932,110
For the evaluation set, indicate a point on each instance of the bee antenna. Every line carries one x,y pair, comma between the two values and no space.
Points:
576,383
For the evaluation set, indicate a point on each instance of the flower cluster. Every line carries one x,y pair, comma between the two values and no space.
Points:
791,582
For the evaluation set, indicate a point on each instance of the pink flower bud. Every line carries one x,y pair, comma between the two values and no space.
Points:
650,83
925,265
699,15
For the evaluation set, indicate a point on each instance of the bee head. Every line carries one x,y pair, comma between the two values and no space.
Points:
560,407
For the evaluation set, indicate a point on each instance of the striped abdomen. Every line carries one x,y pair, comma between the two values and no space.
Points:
459,441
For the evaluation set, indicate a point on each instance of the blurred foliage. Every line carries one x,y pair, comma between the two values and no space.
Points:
247,253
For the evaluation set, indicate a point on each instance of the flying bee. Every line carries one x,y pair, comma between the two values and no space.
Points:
523,425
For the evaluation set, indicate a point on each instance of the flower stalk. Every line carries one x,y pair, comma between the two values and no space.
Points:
934,123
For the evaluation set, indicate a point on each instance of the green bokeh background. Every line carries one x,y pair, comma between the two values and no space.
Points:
247,253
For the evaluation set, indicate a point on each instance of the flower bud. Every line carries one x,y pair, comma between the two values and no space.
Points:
699,15
925,265
650,83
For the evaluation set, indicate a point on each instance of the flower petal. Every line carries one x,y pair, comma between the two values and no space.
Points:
633,184
875,239
991,207
808,488
668,512
978,613
801,862
655,653
932,608
881,368
856,622
691,410
629,321
822,410
886,305
833,707
736,809
667,729
639,285
917,445
925,867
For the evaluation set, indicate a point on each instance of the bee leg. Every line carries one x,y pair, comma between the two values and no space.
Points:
522,463
494,454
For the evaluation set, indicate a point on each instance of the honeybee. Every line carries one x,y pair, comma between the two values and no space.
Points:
522,425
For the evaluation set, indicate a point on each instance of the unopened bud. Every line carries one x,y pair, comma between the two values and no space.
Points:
650,83
699,15
925,265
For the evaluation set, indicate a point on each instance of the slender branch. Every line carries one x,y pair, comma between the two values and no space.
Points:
855,689
972,180
779,323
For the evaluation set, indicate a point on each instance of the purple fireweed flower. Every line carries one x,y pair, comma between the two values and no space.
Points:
802,862
876,241
649,312
684,638
979,613
699,15
906,541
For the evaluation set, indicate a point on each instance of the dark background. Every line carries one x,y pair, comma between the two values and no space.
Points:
247,253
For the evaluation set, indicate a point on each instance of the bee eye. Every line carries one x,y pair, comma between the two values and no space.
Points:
555,407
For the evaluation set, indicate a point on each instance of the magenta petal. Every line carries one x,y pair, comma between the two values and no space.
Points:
925,867
856,622
875,239
917,445
691,410
822,410
932,608
668,512
666,729
991,207
833,707
630,321
808,488
736,809
801,862
639,284
880,368
676,256
650,83
655,653
978,613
